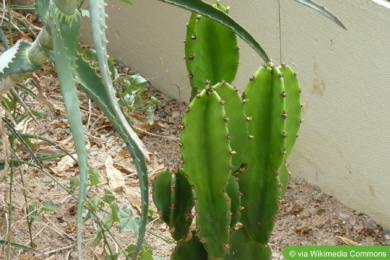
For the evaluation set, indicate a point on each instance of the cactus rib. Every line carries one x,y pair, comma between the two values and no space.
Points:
207,162
259,183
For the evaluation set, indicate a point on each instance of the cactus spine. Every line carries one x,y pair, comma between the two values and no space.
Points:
234,150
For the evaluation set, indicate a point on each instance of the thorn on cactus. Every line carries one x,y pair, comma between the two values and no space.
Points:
284,115
190,76
193,37
226,119
252,78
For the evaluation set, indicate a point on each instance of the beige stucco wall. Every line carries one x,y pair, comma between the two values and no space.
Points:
344,144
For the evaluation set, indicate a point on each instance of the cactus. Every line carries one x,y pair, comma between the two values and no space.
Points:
234,150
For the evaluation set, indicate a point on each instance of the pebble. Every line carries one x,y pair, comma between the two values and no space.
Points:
316,188
369,224
163,114
46,179
300,181
277,256
343,216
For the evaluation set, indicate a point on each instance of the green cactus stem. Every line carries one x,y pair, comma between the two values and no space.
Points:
173,198
293,106
293,121
243,247
259,184
211,51
189,250
207,162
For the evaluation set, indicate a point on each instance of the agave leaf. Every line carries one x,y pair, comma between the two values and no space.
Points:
321,9
134,144
221,17
65,30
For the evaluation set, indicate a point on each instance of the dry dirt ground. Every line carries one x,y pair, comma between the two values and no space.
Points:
307,215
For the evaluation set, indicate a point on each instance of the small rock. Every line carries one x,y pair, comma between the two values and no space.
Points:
163,114
46,179
316,188
300,181
276,255
369,224
343,216
175,114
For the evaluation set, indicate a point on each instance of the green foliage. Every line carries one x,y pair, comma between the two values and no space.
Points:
130,91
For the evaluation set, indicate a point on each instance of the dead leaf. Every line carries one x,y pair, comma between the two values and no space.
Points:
134,199
122,168
303,230
116,181
348,241
296,209
141,124
123,153
64,164
70,228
